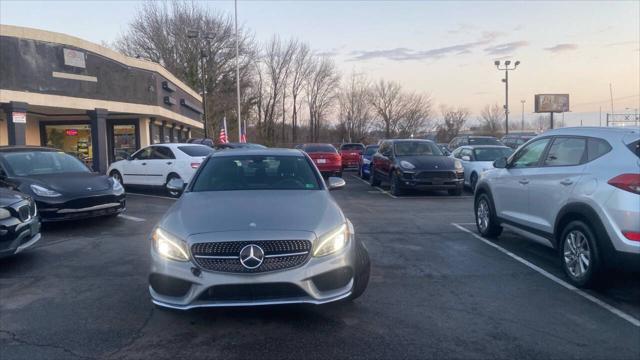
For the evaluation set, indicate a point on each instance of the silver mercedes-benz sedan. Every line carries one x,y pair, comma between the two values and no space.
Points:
256,227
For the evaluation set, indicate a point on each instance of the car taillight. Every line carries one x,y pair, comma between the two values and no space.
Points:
627,182
632,235
195,165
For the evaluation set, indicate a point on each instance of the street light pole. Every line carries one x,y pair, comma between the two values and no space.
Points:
506,69
238,74
522,125
195,34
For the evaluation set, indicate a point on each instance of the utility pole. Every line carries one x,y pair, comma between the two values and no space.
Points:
522,125
238,74
506,69
195,34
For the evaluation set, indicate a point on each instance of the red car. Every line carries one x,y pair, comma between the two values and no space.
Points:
326,158
350,154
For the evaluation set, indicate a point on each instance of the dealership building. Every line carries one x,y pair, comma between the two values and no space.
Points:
60,91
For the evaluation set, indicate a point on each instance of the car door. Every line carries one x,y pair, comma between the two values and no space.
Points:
134,170
160,165
551,184
510,187
387,160
380,160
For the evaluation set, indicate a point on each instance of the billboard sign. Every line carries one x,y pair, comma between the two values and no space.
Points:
550,103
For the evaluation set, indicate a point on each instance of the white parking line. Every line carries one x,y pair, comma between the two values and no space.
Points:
152,196
615,311
132,218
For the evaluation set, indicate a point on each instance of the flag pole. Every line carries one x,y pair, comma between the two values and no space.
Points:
238,72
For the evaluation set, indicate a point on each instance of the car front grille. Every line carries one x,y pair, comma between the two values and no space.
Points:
432,175
225,256
253,292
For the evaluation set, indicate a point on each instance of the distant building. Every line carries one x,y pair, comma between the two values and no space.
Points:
99,105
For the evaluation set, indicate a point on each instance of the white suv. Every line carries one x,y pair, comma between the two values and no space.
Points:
575,189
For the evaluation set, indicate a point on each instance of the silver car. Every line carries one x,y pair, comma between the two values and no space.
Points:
575,189
256,227
476,159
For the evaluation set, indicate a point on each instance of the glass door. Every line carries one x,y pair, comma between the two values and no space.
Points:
123,140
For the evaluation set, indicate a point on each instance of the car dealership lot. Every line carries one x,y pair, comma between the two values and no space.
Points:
436,291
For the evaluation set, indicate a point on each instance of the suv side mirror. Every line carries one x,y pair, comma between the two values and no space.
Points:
336,183
500,163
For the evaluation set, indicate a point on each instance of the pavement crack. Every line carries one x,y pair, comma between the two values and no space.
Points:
15,338
137,335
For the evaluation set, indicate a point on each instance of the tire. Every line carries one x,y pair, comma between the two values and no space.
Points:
396,189
373,179
489,226
455,192
580,255
362,272
173,194
115,174
473,181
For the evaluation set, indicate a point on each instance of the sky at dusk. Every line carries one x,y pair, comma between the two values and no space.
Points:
445,49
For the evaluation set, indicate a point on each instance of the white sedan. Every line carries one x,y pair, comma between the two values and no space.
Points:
477,159
156,165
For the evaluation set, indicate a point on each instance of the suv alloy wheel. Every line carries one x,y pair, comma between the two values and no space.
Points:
579,254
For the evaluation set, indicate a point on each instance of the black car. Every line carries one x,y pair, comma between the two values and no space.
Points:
416,164
61,185
464,140
19,222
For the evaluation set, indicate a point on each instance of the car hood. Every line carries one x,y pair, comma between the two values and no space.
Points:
429,162
252,211
70,183
8,197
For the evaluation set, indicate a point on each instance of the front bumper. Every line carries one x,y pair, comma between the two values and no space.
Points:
81,207
435,180
16,236
318,281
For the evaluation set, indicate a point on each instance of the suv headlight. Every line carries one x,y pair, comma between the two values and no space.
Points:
43,191
169,246
116,185
4,214
332,241
458,165
407,165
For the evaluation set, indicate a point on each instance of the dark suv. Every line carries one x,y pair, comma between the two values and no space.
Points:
19,222
472,140
415,164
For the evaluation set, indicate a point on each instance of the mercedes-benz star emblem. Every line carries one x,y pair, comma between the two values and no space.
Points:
251,256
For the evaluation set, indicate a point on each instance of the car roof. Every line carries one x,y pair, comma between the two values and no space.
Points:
596,131
484,146
21,148
176,145
372,145
264,152
408,140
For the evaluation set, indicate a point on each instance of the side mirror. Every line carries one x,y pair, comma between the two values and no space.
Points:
466,158
176,184
500,163
336,183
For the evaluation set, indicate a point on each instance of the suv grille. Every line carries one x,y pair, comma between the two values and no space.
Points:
431,175
225,256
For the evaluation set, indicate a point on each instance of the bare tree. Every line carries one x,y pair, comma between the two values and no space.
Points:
491,119
452,122
416,115
299,73
321,93
158,33
386,98
355,110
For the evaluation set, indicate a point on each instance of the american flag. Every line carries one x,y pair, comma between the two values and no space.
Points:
223,133
243,134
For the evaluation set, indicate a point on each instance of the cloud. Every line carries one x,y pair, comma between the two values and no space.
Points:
503,49
403,54
562,47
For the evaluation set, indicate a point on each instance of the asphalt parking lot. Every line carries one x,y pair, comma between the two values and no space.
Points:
436,291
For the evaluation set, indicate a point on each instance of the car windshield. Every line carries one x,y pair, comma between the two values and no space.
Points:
326,148
370,150
193,150
256,172
351,147
30,163
491,154
413,148
484,141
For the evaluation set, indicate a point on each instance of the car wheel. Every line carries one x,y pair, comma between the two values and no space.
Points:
115,174
373,179
485,217
579,254
474,182
172,193
396,189
455,192
362,272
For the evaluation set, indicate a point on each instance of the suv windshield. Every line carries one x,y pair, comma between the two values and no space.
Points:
256,172
412,148
319,148
347,147
484,141
42,163
491,154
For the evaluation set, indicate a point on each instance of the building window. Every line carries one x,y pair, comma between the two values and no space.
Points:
74,139
155,133
167,134
124,141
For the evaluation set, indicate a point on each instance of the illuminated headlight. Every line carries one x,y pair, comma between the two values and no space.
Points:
458,165
332,241
43,191
4,214
407,165
115,184
169,246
